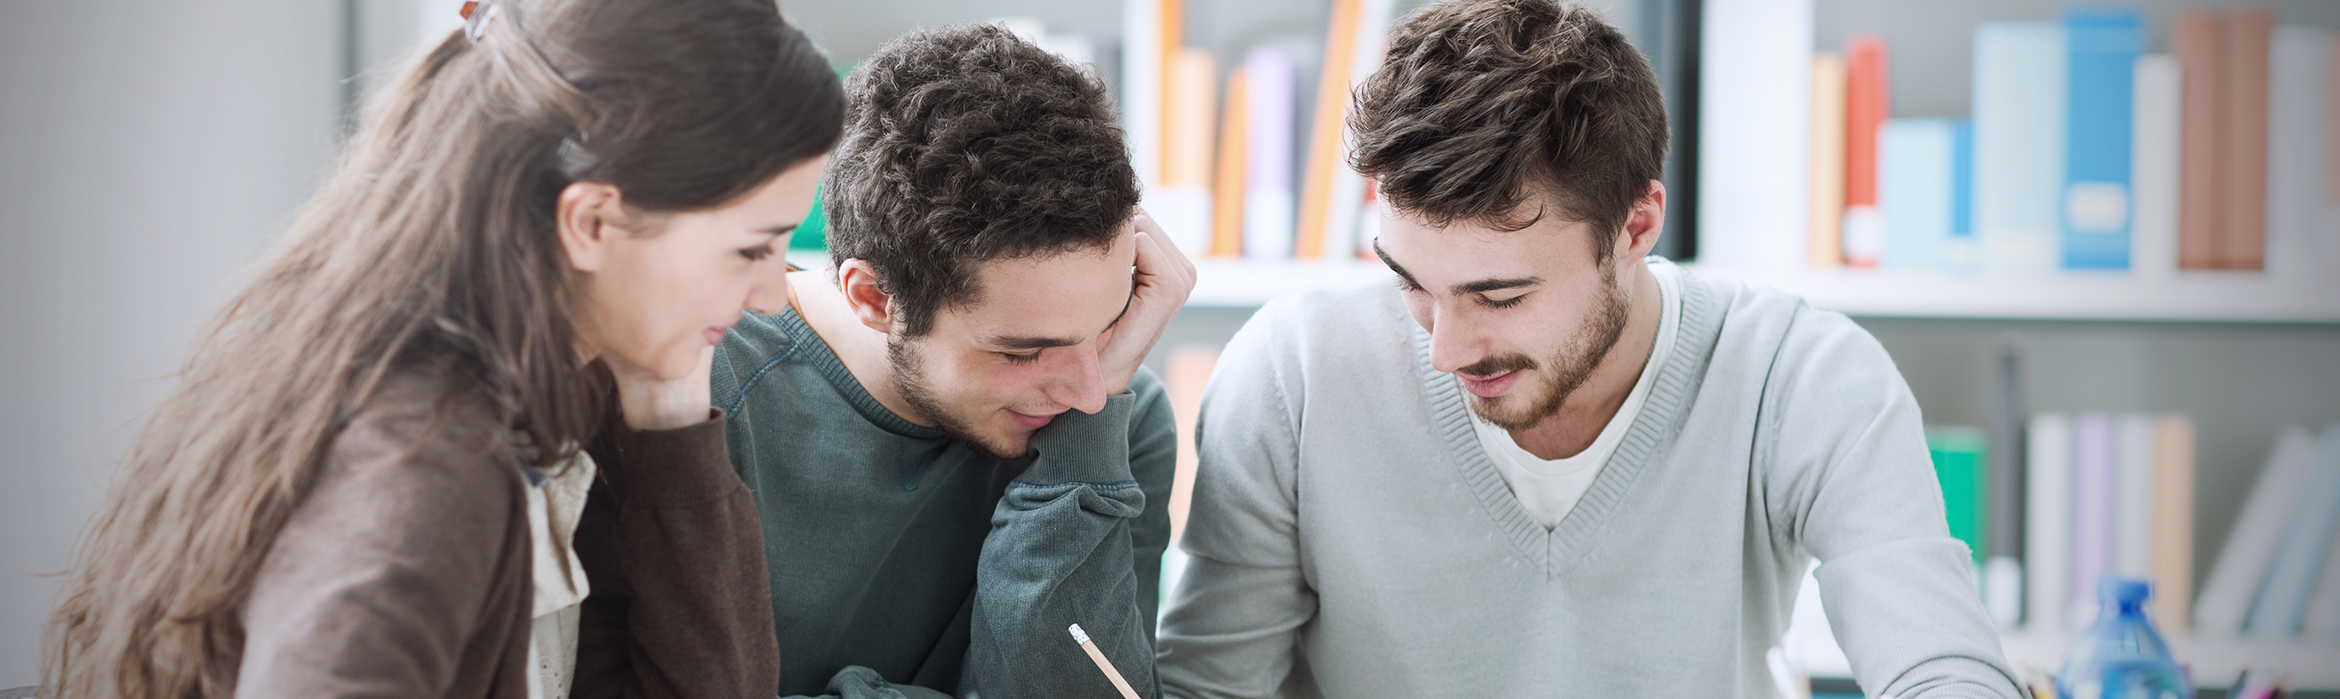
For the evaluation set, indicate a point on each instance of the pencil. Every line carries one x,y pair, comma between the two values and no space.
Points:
1103,665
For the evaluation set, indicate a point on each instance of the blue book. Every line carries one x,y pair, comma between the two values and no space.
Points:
1916,183
2307,538
2018,144
1962,252
2102,44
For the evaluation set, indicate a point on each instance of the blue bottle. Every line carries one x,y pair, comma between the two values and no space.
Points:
2122,656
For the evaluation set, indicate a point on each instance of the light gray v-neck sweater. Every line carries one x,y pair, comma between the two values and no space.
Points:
1350,538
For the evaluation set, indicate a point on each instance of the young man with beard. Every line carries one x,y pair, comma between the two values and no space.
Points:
1543,464
953,448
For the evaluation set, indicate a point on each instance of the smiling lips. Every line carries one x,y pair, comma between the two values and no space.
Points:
714,335
1491,386
1031,422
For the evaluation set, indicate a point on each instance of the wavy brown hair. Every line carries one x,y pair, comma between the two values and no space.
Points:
1486,105
432,243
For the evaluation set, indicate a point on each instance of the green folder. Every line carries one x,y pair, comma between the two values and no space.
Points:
1962,464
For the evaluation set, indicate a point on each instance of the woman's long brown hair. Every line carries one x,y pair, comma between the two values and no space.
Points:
431,243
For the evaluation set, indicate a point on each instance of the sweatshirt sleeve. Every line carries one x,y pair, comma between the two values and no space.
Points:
1077,539
1849,478
672,547
1232,622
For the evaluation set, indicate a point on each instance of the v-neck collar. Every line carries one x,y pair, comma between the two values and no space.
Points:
1559,547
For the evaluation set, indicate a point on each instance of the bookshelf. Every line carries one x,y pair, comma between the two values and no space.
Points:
2211,662
2217,297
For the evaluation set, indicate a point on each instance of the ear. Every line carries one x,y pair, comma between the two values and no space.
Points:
870,303
1646,222
582,215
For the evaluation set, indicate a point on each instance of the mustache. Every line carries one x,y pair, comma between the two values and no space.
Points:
1498,364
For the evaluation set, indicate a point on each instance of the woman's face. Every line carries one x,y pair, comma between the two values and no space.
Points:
655,291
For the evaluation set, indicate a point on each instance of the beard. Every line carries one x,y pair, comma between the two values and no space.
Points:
1564,372
909,374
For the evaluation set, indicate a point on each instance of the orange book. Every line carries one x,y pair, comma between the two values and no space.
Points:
2173,522
2332,126
1324,135
1188,373
1827,161
1186,157
2199,39
2249,36
1867,101
1227,189
1173,41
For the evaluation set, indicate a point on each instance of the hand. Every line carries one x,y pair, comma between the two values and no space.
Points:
1164,279
652,403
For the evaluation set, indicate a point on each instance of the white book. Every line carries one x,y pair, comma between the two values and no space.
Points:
2323,610
2047,543
1141,87
2295,154
2133,497
2154,162
2291,578
2225,601
2019,96
1754,176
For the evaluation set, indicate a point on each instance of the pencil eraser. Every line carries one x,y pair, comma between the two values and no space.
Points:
1078,635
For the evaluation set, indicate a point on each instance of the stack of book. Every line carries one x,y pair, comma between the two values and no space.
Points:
2106,495
1249,181
2086,153
2278,578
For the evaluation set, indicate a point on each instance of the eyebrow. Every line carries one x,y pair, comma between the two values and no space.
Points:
1473,287
777,231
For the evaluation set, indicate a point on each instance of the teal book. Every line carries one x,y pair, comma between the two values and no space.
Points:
2291,579
1962,465
2102,45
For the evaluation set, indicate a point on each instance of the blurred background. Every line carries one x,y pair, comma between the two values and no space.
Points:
2102,242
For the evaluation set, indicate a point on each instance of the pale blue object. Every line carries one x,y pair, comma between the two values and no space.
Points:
2018,144
1915,188
2123,656
2283,595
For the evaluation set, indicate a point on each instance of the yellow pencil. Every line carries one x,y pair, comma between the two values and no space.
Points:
1103,665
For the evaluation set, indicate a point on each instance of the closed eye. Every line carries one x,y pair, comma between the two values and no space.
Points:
1492,302
757,253
1025,358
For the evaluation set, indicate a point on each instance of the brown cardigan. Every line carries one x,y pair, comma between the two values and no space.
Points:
405,572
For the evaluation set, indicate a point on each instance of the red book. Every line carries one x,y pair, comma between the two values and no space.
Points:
1867,102
2200,41
2249,36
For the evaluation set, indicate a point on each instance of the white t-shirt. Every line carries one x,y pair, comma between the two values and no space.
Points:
1549,488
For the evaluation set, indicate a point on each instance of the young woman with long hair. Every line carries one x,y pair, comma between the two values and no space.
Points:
370,477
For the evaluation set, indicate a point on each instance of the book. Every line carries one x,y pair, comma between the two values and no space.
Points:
1825,242
2225,600
1753,167
2095,445
2322,622
2291,577
2329,241
1868,101
2018,144
2003,571
1181,203
2243,175
1961,251
2102,43
2133,483
1344,225
1915,182
1227,184
1187,373
1142,84
2173,523
2295,154
2047,538
1268,199
1325,149
1961,465
2199,40
2153,167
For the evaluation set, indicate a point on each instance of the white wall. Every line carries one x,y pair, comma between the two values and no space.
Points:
149,149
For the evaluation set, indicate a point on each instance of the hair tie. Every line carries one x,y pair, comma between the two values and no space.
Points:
475,21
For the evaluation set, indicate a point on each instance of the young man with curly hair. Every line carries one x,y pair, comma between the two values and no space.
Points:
1544,464
954,450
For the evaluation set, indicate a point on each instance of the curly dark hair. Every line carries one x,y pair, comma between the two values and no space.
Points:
1483,104
966,145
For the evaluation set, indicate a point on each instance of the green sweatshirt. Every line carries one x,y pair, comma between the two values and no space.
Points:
902,561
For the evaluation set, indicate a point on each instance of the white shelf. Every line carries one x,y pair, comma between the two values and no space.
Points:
2310,666
2184,296
1221,283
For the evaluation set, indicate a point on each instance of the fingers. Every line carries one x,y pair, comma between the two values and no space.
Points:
1160,263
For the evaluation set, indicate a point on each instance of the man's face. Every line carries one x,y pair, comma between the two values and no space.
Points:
1521,318
992,372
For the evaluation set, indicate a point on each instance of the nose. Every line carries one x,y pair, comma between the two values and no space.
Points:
768,290
1078,382
1454,342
